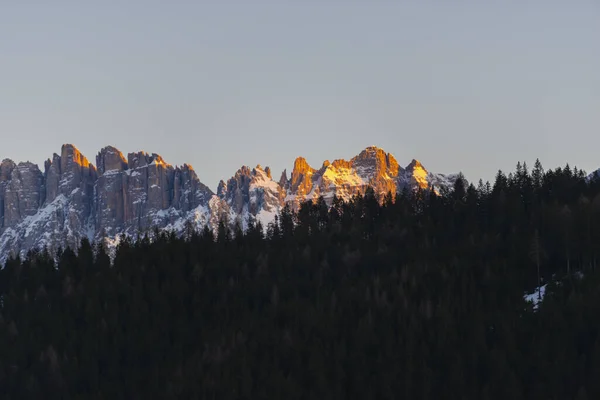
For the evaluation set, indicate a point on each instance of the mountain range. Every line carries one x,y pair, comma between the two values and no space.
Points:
72,198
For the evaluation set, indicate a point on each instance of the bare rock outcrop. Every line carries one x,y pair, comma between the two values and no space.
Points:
6,168
23,192
251,194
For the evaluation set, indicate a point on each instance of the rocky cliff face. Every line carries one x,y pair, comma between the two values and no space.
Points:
135,195
73,199
53,208
23,191
251,194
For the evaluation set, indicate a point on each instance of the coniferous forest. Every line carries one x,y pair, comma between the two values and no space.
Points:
413,296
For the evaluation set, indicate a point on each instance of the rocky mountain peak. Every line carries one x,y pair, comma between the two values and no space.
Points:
414,164
417,175
75,170
301,166
221,188
302,173
22,192
244,171
236,191
67,172
158,160
188,192
371,151
6,168
70,156
283,180
142,159
341,164
377,154
251,195
110,159
259,171
378,169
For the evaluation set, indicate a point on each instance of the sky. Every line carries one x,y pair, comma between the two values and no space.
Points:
460,85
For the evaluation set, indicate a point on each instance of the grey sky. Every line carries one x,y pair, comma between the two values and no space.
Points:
459,85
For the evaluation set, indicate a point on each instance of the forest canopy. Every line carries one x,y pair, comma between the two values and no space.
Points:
413,296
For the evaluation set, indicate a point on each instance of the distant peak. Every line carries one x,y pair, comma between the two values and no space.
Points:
221,188
6,168
376,157
259,168
141,159
110,149
415,164
341,164
300,161
283,180
301,166
27,164
372,152
301,175
158,160
69,146
70,153
110,159
243,173
262,171
374,148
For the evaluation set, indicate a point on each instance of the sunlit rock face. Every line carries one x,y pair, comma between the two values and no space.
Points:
373,167
72,199
377,169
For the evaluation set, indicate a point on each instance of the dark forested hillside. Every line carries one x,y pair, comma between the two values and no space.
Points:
414,297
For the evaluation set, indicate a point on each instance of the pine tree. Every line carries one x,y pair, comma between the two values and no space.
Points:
536,253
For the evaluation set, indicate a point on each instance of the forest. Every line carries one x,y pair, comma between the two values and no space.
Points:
419,295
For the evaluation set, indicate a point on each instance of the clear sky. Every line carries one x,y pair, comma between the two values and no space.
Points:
470,86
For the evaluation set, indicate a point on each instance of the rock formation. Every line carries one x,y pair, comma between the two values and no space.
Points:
73,199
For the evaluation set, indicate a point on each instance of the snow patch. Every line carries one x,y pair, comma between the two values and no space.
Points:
536,297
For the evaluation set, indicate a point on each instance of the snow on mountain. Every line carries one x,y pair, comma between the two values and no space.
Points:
594,175
251,195
73,199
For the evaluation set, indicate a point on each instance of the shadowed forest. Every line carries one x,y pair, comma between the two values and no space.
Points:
413,296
